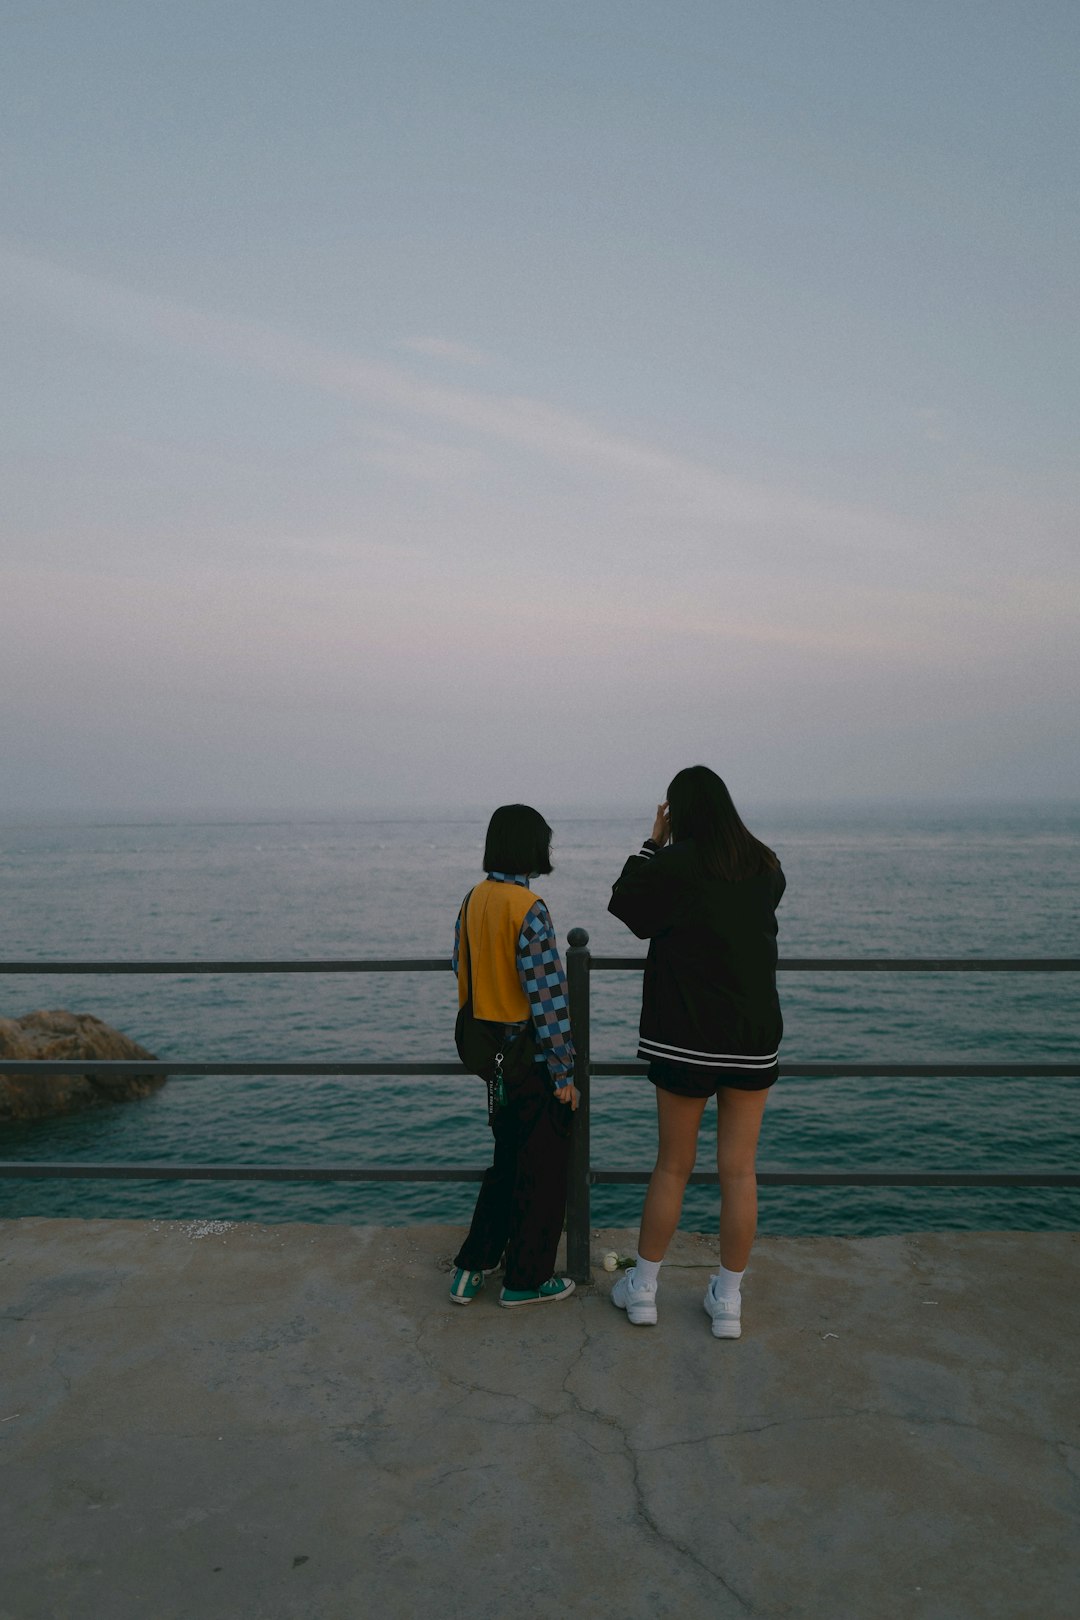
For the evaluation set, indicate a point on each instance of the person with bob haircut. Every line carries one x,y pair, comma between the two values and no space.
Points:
703,891
504,939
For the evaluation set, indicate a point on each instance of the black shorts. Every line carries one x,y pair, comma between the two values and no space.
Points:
689,1080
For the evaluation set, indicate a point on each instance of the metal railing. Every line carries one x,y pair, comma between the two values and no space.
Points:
580,965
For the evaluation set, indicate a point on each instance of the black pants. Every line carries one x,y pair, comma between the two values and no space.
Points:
522,1200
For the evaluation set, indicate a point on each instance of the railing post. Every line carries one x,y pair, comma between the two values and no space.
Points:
577,1200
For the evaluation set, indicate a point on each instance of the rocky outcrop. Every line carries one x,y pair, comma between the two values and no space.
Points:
66,1037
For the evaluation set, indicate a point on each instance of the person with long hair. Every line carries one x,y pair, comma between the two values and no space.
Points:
507,963
703,891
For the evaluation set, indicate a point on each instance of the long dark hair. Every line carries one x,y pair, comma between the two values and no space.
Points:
701,808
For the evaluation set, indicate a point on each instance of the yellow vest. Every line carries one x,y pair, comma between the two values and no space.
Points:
496,913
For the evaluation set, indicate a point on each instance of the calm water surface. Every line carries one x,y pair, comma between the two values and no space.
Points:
937,884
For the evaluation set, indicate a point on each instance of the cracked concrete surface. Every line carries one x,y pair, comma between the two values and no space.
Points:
283,1422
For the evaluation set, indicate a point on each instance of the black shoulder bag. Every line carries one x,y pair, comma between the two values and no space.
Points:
487,1049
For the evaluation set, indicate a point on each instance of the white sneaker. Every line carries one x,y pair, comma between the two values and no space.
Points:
638,1303
726,1313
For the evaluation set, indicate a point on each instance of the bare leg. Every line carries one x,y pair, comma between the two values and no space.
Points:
678,1120
738,1125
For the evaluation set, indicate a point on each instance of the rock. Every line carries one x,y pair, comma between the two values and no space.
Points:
63,1037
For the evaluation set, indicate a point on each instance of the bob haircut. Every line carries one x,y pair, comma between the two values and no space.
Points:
701,808
518,841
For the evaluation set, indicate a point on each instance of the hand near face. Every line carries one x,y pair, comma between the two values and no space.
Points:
661,830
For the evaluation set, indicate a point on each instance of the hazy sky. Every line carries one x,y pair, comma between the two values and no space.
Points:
427,404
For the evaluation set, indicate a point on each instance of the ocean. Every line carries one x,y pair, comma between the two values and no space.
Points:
994,882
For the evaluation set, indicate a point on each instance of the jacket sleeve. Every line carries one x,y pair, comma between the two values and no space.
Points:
455,960
644,896
544,982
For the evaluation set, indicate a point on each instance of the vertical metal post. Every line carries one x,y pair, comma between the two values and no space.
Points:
577,1200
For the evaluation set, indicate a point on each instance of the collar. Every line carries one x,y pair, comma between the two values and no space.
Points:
510,877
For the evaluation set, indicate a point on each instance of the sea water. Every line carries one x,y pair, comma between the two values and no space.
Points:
886,883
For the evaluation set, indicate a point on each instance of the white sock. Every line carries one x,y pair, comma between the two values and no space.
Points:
728,1283
646,1272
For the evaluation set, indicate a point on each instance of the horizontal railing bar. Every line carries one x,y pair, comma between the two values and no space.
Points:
872,1176
866,1176
885,964
78,1171
929,964
45,1066
442,964
36,1067
415,964
947,1071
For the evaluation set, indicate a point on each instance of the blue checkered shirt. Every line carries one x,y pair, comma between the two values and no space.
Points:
544,983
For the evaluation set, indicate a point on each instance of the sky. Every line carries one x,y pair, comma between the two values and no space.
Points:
423,405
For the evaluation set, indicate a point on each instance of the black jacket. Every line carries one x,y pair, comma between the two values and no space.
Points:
709,1001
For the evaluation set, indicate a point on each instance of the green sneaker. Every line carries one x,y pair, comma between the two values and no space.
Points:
465,1286
554,1288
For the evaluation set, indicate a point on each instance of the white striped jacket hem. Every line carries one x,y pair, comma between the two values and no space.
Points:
706,1060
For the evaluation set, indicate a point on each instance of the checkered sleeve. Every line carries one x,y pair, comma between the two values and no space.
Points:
544,982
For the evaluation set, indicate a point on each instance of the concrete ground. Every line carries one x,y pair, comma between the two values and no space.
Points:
241,1421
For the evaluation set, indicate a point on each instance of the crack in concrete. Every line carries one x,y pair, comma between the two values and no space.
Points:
670,1541
1070,1458
462,1468
973,1428
630,1455
857,1412
54,1368
577,1408
759,1428
80,1315
534,1418
472,1387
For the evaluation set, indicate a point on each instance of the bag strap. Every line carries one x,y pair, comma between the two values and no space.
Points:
496,1094
468,948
